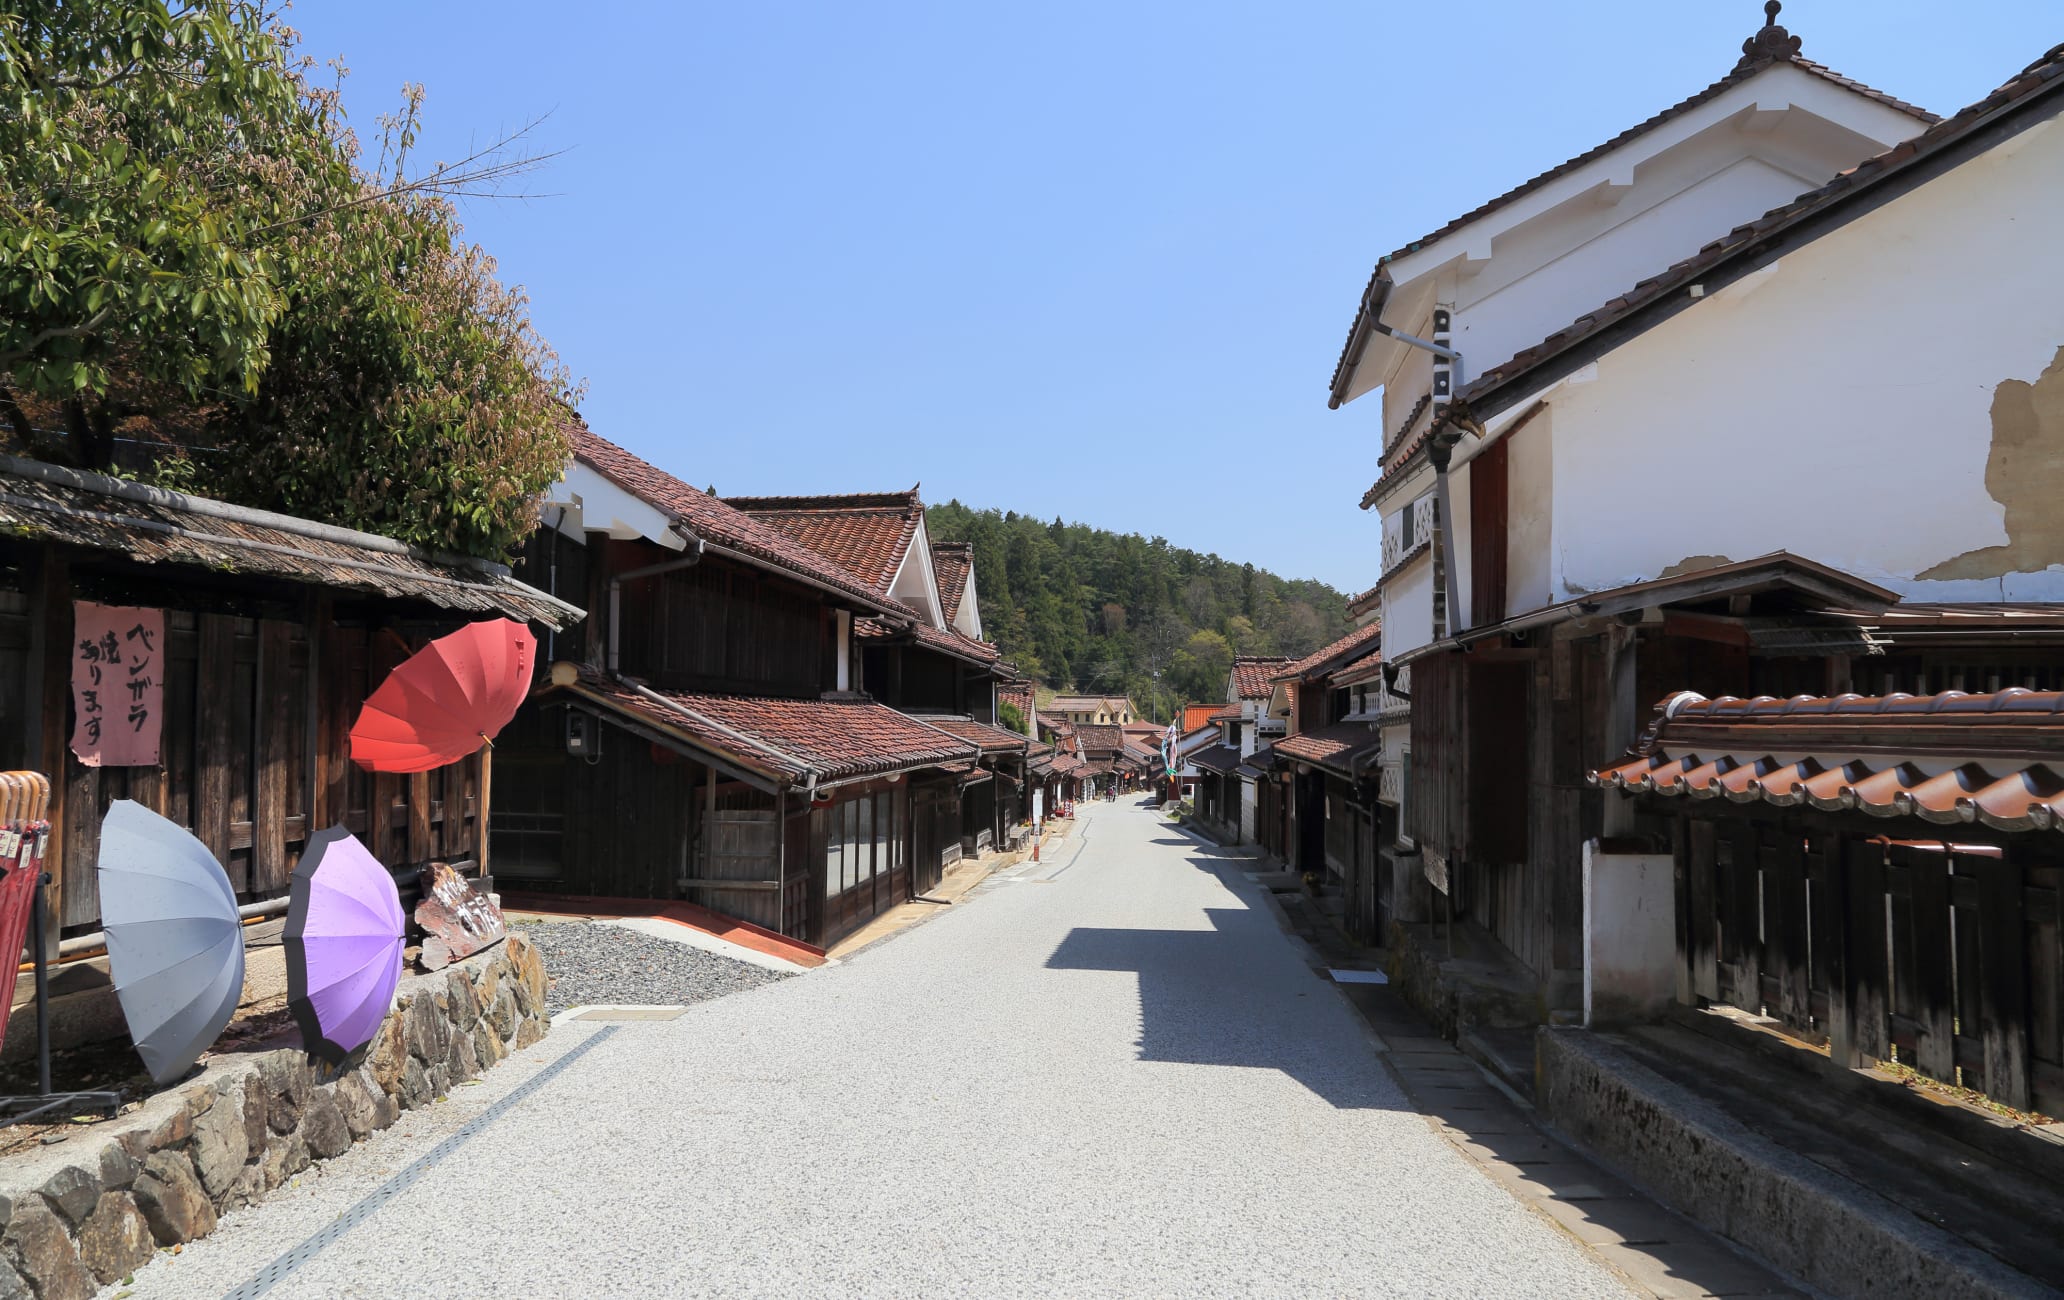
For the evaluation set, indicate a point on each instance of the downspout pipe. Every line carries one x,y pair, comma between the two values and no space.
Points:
696,546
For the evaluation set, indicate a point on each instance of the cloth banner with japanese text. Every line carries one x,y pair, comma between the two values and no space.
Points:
118,684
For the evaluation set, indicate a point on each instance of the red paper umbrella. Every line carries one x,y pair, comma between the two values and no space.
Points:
446,700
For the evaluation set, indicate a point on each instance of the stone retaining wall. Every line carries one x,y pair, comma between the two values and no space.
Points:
84,1213
1832,1233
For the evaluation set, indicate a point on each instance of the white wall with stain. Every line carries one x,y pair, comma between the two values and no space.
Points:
1841,404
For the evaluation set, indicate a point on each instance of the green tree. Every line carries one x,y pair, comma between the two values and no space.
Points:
187,238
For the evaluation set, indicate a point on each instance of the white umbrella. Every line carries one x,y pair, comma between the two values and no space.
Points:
175,943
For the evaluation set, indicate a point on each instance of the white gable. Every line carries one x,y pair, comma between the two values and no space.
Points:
583,502
916,584
967,620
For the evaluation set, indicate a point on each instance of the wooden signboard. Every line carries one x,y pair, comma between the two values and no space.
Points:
457,919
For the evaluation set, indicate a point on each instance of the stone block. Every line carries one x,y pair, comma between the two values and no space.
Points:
389,1053
287,1079
42,1252
464,1062
115,1239
257,1103
487,1045
169,1194
385,1111
415,1086
72,1192
532,1030
118,1168
323,1126
11,1285
172,1131
286,1157
355,1100
504,1014
221,1144
427,1030
464,1008
440,1080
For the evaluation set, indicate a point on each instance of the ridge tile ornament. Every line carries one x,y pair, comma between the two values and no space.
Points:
344,935
175,942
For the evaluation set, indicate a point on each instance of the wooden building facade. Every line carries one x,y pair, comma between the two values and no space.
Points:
276,630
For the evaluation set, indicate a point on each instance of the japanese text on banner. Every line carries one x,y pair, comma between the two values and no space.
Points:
118,684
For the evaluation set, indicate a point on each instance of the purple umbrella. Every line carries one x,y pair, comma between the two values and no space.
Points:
344,939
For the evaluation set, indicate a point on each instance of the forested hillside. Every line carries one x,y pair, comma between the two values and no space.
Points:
1086,609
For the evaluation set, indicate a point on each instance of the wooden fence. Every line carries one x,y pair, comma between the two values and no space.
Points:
1942,955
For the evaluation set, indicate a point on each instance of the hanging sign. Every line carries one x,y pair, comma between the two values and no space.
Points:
118,684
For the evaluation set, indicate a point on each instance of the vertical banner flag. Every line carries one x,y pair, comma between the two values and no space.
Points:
118,684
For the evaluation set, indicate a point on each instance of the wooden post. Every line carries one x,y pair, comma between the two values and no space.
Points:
50,685
482,818
1837,939
1868,960
1934,1004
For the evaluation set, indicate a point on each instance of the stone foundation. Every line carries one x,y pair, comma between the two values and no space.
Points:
80,1215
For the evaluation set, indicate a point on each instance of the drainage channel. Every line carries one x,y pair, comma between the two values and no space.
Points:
279,1270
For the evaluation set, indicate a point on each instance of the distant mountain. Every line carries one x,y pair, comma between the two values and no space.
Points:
1087,609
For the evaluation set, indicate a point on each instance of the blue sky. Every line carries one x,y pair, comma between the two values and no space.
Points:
1093,260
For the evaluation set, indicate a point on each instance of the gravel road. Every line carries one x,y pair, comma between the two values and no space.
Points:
608,963
1110,1074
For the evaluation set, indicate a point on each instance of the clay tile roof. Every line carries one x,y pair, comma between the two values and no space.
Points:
1356,644
1335,746
1109,738
991,740
1767,48
1226,713
1952,758
716,522
866,533
1747,246
1216,758
1253,675
1198,715
784,739
952,561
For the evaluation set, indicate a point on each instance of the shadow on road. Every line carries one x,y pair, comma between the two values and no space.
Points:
1225,996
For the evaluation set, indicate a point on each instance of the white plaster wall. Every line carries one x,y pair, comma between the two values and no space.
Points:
1408,608
1732,190
1837,404
1529,518
1630,935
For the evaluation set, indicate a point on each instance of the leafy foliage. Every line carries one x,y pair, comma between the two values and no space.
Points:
189,244
1083,608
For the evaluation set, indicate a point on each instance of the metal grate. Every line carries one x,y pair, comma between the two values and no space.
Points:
280,1269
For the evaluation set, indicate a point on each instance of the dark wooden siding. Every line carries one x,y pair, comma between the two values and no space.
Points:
721,627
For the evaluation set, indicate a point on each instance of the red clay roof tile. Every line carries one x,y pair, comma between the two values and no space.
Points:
866,533
1253,675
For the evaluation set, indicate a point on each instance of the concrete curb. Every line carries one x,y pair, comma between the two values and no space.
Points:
1829,1232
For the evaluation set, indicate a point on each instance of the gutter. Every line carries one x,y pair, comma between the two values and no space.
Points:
1374,299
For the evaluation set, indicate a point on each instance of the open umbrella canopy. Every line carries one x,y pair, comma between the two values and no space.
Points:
175,943
442,702
344,938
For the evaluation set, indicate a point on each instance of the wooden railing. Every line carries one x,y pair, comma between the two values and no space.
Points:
1941,955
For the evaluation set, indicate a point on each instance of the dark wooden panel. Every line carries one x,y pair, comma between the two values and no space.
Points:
1785,907
1701,841
2003,990
1927,938
215,763
276,726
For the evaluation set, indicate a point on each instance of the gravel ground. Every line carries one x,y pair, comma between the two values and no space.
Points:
1109,1075
607,963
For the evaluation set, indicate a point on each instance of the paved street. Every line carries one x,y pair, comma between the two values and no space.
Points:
1110,1074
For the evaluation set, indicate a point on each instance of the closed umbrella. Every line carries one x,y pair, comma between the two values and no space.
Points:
443,702
344,939
175,943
